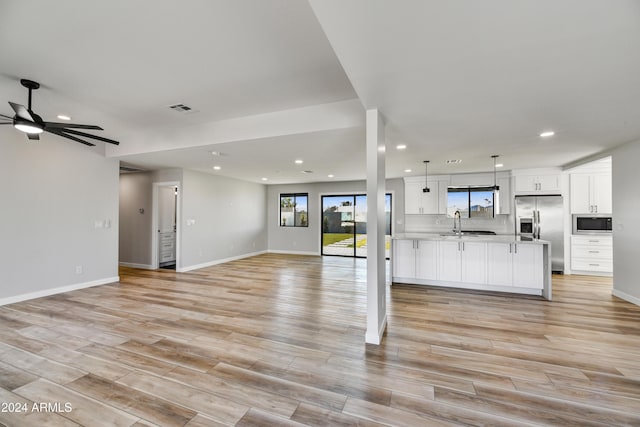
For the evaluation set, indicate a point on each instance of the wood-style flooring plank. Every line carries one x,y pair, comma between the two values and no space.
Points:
27,417
82,410
134,402
279,340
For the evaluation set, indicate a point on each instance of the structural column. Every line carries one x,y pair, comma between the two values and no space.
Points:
376,288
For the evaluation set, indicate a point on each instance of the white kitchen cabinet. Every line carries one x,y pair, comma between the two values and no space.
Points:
494,263
592,254
426,259
500,263
474,262
504,206
462,261
167,248
514,264
591,193
539,183
404,263
415,259
418,202
450,260
528,268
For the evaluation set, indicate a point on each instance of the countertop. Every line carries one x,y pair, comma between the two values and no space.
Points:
500,238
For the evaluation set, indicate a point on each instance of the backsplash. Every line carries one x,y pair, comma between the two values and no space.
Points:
501,224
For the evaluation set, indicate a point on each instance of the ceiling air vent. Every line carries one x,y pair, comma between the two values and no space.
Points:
130,169
181,108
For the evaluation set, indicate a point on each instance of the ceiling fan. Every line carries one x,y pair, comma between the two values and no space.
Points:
32,124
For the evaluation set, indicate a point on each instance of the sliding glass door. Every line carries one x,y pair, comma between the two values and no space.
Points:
344,225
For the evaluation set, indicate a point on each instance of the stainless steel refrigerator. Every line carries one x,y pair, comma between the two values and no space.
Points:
540,217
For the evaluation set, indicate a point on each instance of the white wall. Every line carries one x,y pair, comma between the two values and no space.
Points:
135,226
136,192
307,239
626,233
56,193
228,219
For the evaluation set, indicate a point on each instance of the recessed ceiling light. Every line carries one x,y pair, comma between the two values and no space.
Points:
407,170
330,175
454,161
307,171
401,146
264,179
217,168
499,165
64,117
547,134
217,153
299,162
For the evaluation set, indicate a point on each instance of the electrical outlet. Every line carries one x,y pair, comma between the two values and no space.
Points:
78,269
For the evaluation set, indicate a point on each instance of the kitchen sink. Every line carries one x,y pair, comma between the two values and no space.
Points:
469,233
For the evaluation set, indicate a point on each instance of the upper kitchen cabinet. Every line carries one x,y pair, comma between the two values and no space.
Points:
590,193
504,205
534,181
418,202
590,186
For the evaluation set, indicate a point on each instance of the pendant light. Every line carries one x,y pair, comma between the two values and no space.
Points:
496,187
426,188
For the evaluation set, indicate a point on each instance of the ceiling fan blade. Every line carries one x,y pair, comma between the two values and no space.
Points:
88,135
33,136
22,112
6,117
59,132
70,125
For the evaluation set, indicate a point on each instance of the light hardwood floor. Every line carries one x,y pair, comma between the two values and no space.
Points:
278,340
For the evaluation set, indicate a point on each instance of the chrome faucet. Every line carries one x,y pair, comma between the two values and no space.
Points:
458,229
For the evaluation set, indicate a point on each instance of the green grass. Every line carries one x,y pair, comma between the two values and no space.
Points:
363,242
329,238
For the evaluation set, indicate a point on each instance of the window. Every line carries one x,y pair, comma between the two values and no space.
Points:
344,225
293,210
471,202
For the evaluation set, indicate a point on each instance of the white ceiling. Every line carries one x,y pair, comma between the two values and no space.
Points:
454,80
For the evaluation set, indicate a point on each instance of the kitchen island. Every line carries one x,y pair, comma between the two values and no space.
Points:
503,263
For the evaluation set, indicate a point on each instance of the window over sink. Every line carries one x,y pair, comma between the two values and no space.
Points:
472,202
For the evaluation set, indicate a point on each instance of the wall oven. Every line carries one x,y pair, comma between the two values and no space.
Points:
592,224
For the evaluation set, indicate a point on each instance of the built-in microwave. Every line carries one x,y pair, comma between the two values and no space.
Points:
592,224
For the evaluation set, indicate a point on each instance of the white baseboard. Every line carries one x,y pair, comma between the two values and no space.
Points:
625,296
271,251
218,261
373,338
60,290
134,265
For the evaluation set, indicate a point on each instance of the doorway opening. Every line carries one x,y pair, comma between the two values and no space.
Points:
166,225
344,225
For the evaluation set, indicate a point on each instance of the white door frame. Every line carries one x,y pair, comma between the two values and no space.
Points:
155,221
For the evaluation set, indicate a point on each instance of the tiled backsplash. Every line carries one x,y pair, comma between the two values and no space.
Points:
501,224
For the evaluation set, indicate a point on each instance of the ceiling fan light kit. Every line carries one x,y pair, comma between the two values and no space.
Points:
25,120
27,126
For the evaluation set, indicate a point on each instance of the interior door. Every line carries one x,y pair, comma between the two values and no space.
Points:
167,226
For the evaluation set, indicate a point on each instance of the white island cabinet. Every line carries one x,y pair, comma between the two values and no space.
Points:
513,264
416,259
462,261
494,263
